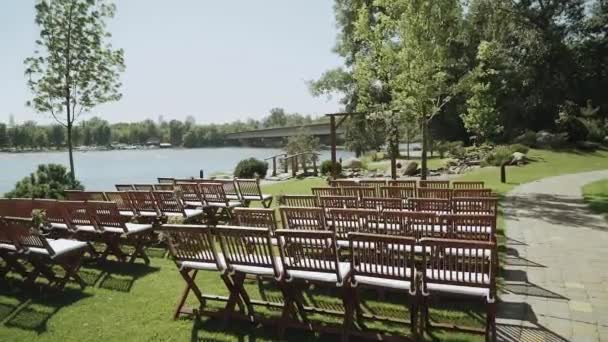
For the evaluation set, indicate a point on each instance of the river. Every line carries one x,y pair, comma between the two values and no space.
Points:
100,170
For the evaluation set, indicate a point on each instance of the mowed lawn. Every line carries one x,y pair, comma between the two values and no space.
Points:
596,196
135,302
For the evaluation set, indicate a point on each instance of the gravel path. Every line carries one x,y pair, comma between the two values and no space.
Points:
556,263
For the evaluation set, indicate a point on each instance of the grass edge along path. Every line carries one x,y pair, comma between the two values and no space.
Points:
595,194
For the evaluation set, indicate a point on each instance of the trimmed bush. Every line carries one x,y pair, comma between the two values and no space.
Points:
326,167
251,168
519,148
498,156
528,138
49,181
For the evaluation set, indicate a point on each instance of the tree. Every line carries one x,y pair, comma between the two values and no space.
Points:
277,118
176,132
74,68
302,142
56,135
49,181
3,135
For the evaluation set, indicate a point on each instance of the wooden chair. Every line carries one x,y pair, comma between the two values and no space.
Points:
401,192
434,193
384,262
166,180
299,201
43,253
10,250
467,185
301,218
374,183
343,182
143,187
434,184
230,189
123,202
117,230
329,202
145,205
358,191
460,268
215,199
403,183
431,205
472,205
124,187
171,205
164,187
193,248
250,190
79,195
345,221
312,257
326,191
256,217
381,203
247,251
191,195
472,227
472,193
427,225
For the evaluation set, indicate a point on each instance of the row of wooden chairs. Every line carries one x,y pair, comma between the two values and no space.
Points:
432,184
90,222
380,261
22,243
399,192
144,187
457,205
237,189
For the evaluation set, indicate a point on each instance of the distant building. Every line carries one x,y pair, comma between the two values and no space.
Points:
165,145
153,142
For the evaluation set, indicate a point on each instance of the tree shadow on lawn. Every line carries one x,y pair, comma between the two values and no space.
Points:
114,275
35,306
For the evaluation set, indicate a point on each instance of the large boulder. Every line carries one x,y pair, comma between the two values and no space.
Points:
352,163
409,168
519,158
545,139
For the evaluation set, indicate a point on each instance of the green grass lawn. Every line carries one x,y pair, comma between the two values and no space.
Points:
135,302
596,196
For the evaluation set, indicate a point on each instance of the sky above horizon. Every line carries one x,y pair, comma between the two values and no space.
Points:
218,61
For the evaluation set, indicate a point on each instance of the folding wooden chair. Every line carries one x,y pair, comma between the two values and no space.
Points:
434,193
247,251
124,187
358,191
123,202
312,257
171,205
326,191
79,195
143,187
164,187
256,217
434,184
472,205
329,202
115,228
145,206
215,199
191,195
345,221
467,185
403,183
309,201
301,218
381,203
10,251
343,182
250,190
384,262
460,268
472,227
374,183
402,192
472,193
42,253
193,249
431,205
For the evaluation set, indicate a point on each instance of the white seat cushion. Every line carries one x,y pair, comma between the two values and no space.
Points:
357,244
7,246
474,229
417,248
380,281
230,204
343,268
60,247
468,252
195,204
132,228
126,213
259,270
86,228
480,278
383,282
233,197
263,197
148,213
459,290
55,225
193,212
205,266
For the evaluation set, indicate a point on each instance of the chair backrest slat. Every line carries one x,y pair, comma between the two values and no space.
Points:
249,187
247,246
166,180
122,200
468,185
381,203
401,192
256,217
328,202
79,195
191,243
299,201
345,221
168,202
106,214
213,192
164,187
434,184
190,192
475,205
472,193
343,182
143,201
124,187
326,191
472,227
77,214
143,187
301,218
403,183
438,193
25,234
358,191
431,205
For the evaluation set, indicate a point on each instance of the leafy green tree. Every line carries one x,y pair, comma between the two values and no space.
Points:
277,118
49,181
4,141
302,142
74,68
176,132
57,135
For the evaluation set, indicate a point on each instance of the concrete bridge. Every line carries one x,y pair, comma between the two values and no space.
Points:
271,136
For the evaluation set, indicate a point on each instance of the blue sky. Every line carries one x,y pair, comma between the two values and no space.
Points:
218,61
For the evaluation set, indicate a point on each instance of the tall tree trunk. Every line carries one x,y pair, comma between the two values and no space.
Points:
407,140
423,158
72,173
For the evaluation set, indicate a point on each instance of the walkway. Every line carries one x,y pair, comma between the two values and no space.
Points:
556,263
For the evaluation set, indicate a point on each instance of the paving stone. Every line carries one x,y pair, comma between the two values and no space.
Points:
580,306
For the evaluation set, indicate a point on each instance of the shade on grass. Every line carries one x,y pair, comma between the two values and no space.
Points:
596,196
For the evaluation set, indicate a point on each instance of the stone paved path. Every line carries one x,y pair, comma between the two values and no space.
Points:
556,263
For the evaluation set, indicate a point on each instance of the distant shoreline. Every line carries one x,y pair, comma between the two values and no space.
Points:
138,148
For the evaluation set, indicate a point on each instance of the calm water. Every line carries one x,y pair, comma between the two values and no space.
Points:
100,170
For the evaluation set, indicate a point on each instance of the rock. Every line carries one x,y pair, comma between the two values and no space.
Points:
588,145
519,158
545,139
352,163
409,168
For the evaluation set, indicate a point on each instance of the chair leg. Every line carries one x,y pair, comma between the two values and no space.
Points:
414,316
347,302
491,322
288,308
140,244
357,307
182,299
71,267
235,293
191,286
267,203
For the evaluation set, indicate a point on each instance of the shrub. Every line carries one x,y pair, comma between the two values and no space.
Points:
519,148
456,149
528,138
442,147
326,167
251,168
597,131
49,181
498,156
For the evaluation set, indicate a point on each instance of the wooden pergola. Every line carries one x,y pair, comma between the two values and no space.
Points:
333,141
